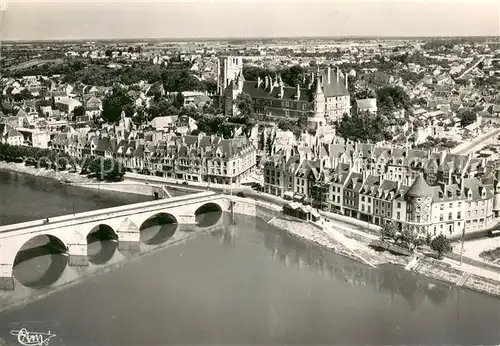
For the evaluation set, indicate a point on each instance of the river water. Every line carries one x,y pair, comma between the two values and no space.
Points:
243,284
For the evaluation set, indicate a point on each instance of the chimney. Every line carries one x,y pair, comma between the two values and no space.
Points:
442,157
225,77
297,93
328,72
365,175
259,81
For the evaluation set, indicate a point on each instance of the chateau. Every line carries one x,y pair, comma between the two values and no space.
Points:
323,97
429,192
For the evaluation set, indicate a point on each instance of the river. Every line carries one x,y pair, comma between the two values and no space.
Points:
249,284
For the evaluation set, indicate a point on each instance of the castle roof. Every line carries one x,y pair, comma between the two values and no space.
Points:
420,188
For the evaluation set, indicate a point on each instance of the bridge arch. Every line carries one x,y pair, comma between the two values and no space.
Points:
158,228
102,242
40,261
208,214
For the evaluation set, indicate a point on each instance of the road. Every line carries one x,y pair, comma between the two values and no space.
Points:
477,144
471,68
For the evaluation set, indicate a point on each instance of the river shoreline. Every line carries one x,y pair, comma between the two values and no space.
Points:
427,267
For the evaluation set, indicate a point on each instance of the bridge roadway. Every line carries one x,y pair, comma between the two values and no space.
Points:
72,230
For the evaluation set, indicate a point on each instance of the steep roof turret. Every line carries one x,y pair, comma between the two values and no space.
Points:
419,188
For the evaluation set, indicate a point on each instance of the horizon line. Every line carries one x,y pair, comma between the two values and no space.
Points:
253,38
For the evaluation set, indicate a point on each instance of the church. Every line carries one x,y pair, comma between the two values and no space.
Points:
323,98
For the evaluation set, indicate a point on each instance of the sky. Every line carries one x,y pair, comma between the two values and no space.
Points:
113,19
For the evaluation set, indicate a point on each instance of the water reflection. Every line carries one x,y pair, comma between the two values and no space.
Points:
40,262
386,278
158,229
227,234
208,215
102,242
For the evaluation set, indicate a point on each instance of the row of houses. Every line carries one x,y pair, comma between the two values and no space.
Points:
431,192
189,158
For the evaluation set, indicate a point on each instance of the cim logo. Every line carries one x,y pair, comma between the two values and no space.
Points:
26,338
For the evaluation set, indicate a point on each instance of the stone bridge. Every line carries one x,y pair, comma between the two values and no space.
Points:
71,231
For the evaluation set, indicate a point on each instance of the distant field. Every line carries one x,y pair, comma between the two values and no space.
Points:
33,63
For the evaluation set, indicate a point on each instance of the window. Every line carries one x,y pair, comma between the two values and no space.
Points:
450,216
362,198
441,206
459,215
399,204
398,215
451,205
441,217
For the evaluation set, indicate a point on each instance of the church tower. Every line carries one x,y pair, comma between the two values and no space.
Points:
228,70
317,119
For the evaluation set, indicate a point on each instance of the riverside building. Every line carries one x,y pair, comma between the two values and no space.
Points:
429,192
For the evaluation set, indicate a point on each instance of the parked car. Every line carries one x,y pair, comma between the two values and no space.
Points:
185,183
494,233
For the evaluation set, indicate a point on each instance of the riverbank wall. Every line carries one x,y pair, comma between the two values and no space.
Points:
317,234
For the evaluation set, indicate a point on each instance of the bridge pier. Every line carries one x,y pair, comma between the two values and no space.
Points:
78,255
186,219
129,247
129,240
6,278
186,223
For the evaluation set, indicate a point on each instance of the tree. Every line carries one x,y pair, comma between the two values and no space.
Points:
389,232
114,104
139,118
178,100
294,75
393,96
441,245
467,117
408,239
79,111
129,110
245,105
363,127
